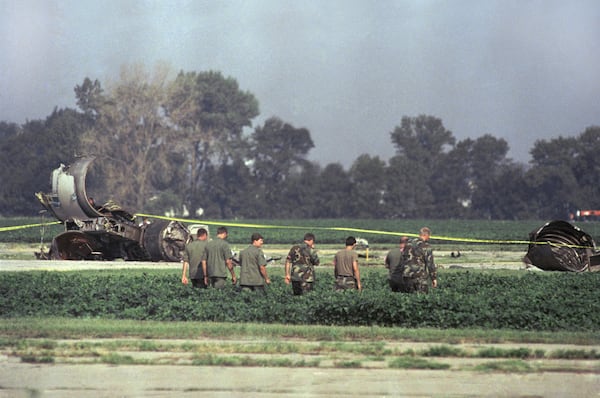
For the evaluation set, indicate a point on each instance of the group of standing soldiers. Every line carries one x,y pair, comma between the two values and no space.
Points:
411,265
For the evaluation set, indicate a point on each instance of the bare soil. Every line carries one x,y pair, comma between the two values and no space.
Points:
66,381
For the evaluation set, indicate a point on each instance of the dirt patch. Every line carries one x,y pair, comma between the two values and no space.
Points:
66,381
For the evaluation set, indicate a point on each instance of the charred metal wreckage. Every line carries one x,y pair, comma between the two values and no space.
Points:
561,246
104,232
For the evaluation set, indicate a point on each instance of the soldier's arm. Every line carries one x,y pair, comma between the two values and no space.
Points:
288,265
263,272
186,266
314,258
334,263
288,276
204,271
430,263
229,265
356,274
184,272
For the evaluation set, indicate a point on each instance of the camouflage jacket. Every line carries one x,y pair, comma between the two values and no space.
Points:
419,260
303,259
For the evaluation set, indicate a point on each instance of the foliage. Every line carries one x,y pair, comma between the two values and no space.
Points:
29,156
186,140
278,152
208,113
18,329
532,301
368,177
128,132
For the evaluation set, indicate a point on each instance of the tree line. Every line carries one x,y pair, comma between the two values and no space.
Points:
187,143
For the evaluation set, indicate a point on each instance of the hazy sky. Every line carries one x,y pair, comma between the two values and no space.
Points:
347,70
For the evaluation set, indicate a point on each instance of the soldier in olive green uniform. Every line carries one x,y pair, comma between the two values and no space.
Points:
419,269
218,260
345,267
299,265
253,264
394,262
192,260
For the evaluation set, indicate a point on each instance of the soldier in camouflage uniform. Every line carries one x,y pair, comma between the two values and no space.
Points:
419,267
299,265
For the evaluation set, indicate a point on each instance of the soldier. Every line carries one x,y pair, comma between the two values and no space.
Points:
394,261
192,261
217,260
419,267
299,265
253,264
345,267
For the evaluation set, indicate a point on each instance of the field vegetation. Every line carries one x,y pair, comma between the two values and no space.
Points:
465,299
488,320
119,342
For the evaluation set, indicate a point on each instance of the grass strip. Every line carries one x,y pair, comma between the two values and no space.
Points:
69,328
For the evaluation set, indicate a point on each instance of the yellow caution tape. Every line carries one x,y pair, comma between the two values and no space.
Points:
346,229
357,230
16,227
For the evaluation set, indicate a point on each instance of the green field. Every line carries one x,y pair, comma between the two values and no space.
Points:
485,298
445,232
513,321
94,341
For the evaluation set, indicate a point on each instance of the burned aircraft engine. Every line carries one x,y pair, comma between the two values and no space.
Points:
561,246
104,232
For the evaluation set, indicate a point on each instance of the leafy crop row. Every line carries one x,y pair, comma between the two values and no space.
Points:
533,301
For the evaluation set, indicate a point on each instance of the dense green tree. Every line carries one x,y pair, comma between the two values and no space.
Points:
229,192
334,190
407,191
300,196
421,144
9,148
551,179
129,129
163,134
586,169
8,130
450,183
29,156
90,97
551,190
278,150
168,180
209,113
164,202
422,139
485,161
511,199
180,143
368,187
564,174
